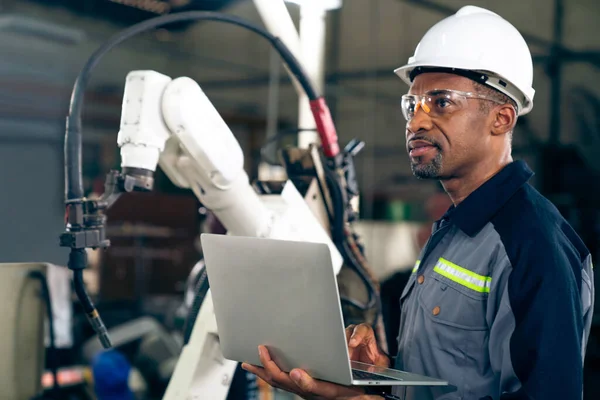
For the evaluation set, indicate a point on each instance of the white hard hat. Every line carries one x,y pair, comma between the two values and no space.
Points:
481,45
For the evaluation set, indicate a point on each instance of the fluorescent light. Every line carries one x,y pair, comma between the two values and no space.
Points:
324,4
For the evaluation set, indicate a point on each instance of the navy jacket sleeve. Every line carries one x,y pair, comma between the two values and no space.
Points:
543,293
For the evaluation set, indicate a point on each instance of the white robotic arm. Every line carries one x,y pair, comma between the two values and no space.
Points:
172,123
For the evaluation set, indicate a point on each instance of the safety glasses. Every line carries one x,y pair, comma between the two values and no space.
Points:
439,102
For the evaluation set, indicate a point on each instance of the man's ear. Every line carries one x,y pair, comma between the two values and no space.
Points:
505,119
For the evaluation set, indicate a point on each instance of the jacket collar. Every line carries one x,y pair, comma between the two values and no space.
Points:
474,212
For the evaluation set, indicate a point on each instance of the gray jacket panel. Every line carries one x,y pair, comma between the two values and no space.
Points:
500,301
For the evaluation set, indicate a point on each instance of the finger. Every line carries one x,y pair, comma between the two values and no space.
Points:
374,353
277,376
266,361
264,375
364,335
258,371
328,390
361,332
373,349
349,331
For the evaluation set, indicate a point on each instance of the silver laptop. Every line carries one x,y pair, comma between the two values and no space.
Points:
284,294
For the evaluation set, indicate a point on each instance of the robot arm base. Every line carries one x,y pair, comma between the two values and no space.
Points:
201,368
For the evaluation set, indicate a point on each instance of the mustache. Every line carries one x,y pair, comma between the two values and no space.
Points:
426,139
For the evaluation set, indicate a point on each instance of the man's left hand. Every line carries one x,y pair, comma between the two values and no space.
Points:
300,383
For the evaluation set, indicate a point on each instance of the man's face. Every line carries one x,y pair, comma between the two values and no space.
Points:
446,146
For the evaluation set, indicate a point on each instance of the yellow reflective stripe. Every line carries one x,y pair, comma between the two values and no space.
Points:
464,270
463,276
416,267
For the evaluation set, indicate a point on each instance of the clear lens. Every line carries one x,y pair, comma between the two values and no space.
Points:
409,103
437,103
444,103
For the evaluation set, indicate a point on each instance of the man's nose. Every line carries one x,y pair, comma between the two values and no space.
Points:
421,121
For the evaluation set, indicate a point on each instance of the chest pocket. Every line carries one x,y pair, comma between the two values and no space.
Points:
455,296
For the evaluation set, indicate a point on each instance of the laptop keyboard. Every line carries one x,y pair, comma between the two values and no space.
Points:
362,375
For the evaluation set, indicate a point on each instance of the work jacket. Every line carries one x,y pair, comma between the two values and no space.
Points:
500,302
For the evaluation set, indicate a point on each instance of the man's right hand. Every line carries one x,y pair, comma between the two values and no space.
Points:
362,346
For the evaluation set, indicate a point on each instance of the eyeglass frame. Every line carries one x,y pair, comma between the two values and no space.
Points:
421,97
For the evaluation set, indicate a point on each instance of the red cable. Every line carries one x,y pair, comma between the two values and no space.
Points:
325,127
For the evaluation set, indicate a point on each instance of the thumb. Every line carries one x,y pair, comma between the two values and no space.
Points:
358,337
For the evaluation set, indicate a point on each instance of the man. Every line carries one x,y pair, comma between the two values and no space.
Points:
500,301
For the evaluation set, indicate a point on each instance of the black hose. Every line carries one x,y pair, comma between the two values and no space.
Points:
200,291
82,295
337,224
90,310
357,267
53,352
73,140
341,241
339,237
293,64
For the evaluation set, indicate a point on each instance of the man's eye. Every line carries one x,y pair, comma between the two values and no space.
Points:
442,102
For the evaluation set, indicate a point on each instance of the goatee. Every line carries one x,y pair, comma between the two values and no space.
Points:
431,170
